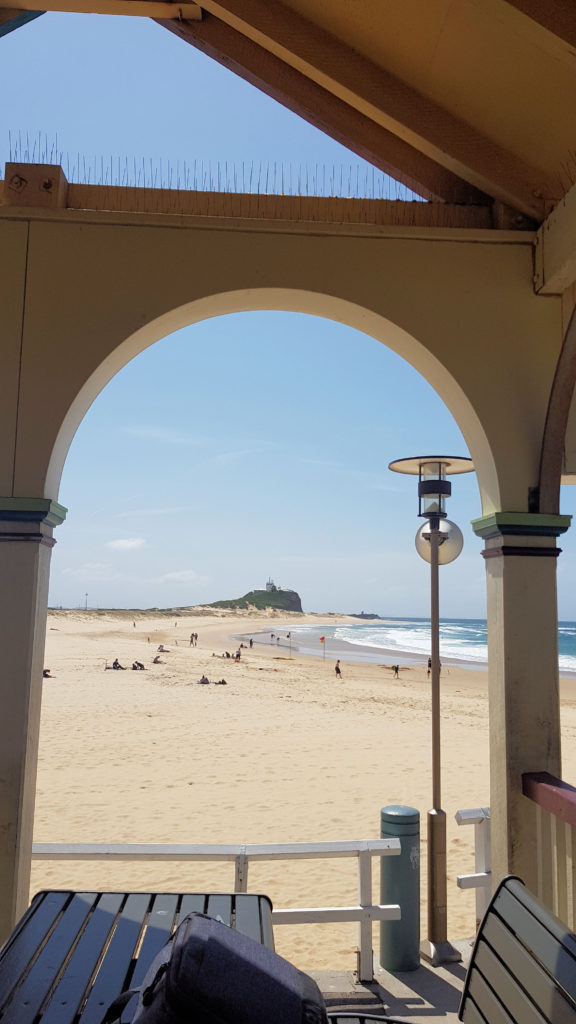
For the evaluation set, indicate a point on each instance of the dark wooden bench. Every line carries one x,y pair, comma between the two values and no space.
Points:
523,966
522,970
74,952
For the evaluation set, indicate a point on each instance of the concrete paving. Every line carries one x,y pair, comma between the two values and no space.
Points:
425,996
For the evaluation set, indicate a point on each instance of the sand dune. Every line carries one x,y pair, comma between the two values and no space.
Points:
283,753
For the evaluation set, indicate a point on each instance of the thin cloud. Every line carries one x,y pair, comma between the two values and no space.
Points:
126,543
183,576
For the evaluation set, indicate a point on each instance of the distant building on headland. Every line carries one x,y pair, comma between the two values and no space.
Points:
281,598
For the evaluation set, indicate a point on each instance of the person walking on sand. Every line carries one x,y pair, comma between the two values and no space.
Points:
338,670
396,671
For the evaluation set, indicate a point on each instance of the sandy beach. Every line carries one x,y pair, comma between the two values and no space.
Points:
284,752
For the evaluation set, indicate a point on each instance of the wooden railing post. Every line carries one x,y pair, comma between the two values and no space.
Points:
366,955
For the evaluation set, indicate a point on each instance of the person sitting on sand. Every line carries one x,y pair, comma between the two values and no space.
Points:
163,650
157,661
137,666
204,680
116,664
46,674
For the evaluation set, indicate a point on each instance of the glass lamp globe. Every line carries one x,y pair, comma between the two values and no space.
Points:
451,542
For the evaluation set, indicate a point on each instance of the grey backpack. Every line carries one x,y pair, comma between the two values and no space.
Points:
207,973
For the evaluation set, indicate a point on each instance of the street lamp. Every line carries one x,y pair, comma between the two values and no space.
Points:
439,542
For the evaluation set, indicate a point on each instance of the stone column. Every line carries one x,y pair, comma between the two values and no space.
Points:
26,542
520,558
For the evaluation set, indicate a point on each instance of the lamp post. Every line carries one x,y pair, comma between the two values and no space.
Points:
438,541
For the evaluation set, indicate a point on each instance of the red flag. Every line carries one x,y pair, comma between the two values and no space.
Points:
322,639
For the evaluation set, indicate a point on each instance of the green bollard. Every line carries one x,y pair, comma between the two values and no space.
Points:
400,883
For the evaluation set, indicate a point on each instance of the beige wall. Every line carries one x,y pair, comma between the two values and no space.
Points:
459,306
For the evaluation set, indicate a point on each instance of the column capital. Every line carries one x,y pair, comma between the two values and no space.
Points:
32,510
520,524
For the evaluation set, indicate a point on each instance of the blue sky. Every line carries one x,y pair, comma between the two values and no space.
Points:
248,445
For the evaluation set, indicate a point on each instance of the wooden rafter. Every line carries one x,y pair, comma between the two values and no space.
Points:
379,96
23,10
332,115
556,16
11,19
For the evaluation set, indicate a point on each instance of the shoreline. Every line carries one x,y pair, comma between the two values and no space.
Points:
363,654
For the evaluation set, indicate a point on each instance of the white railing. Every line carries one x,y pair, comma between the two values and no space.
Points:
365,912
482,877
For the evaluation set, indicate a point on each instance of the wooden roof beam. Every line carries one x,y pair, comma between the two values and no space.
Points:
330,114
12,18
556,16
555,262
389,102
24,10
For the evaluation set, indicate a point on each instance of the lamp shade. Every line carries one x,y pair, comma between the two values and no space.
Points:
450,546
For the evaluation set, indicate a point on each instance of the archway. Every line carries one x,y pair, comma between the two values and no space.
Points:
314,304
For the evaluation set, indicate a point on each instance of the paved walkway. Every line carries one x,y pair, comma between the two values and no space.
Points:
427,996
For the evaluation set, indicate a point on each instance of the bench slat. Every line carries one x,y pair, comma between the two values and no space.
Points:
546,947
114,974
538,984
220,906
159,927
192,903
47,968
24,943
472,1014
486,1002
252,919
497,975
70,993
549,920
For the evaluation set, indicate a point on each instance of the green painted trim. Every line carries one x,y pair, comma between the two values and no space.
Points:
523,524
44,509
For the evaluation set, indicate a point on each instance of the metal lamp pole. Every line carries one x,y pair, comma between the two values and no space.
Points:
437,885
438,541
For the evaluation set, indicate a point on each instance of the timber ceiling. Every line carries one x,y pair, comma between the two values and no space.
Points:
464,101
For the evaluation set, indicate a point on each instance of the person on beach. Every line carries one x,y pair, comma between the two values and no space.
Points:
338,670
429,666
251,643
157,660
191,640
116,664
396,669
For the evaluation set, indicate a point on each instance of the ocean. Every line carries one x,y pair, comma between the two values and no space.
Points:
406,641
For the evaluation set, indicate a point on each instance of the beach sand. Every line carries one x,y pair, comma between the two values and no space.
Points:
284,753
